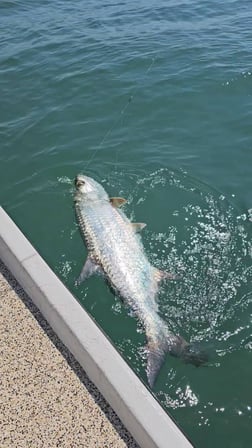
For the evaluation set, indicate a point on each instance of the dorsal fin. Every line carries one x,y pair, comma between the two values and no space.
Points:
138,226
117,202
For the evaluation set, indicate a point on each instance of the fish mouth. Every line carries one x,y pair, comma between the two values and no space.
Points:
79,181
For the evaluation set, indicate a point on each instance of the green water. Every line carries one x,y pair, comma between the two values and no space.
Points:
153,99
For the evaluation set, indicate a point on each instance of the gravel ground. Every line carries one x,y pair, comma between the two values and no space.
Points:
46,399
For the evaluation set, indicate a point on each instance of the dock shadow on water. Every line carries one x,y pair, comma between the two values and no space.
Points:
195,232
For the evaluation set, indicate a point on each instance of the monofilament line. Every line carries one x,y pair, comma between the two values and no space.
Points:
122,111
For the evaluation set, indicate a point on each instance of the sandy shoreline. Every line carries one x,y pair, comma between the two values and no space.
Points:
46,399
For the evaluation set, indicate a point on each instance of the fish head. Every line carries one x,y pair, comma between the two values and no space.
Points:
88,189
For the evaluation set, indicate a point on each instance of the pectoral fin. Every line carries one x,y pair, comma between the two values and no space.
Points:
88,269
138,226
117,202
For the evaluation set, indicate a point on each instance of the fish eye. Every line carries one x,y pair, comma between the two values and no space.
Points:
79,182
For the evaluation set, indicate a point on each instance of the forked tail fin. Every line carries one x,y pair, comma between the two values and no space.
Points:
161,341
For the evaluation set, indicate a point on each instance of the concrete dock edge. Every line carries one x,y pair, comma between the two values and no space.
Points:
134,404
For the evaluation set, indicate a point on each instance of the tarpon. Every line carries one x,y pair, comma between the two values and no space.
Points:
115,250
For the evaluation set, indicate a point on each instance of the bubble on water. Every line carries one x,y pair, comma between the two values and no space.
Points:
65,180
184,396
117,307
239,77
65,268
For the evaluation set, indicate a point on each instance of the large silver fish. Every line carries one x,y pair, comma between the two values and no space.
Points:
115,250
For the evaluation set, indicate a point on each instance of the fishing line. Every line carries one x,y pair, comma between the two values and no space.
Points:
117,120
108,132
